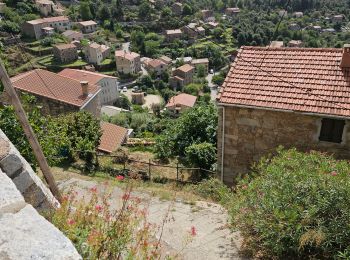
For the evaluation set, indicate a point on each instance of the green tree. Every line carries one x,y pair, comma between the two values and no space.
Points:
123,102
187,10
145,10
201,71
85,11
103,13
202,155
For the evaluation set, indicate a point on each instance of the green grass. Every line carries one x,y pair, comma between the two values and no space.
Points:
50,61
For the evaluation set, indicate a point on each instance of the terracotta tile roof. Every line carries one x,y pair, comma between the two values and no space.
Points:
155,63
126,55
50,20
84,75
319,84
65,46
53,86
186,68
87,23
112,137
182,99
200,61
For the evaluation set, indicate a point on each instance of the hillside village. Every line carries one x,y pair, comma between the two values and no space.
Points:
239,106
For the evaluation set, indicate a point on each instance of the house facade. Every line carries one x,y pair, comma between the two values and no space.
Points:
87,26
156,66
65,53
176,8
201,62
109,85
127,62
58,94
73,35
182,76
34,28
96,53
180,103
172,35
300,98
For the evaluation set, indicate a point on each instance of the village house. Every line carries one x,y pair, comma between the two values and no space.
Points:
231,12
185,60
276,44
283,13
113,137
127,62
2,7
316,28
34,28
294,27
212,25
109,85
299,98
73,35
58,94
65,53
201,62
156,66
295,44
298,14
48,31
172,35
192,31
176,8
45,7
166,60
180,103
337,18
97,53
206,14
87,26
182,76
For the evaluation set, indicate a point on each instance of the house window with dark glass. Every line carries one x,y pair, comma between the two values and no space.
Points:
332,130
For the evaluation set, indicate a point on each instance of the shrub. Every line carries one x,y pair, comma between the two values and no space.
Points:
101,233
201,155
298,206
215,190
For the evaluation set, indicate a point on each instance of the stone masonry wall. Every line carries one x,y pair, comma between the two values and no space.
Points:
24,234
253,133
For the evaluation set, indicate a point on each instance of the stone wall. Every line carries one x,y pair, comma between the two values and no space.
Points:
253,133
24,233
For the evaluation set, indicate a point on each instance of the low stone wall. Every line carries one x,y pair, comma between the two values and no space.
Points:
24,233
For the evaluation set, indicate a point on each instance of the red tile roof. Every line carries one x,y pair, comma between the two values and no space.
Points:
84,75
127,55
112,137
319,84
51,85
182,99
185,68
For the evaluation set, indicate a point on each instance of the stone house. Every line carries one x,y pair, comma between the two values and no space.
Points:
166,60
337,18
97,53
127,62
172,35
34,28
58,94
65,53
156,66
45,7
198,62
182,76
73,35
2,7
206,14
193,31
301,99
109,85
180,103
232,11
295,44
298,14
294,27
176,8
87,26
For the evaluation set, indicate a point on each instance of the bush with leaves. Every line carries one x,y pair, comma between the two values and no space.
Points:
49,132
296,207
202,155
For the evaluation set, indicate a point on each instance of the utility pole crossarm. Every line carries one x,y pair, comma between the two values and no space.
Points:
39,155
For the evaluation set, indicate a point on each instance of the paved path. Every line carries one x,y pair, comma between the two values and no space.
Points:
213,240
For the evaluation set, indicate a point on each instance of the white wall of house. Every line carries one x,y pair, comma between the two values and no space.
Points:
109,90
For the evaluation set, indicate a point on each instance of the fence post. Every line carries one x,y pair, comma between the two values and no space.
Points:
149,169
177,172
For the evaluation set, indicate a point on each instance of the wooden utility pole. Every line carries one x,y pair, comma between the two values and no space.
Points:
39,155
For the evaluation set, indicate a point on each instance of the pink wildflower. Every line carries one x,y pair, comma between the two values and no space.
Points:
98,208
93,189
126,196
193,231
120,177
244,187
334,173
70,222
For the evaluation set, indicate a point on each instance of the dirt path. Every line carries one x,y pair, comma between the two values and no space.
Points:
213,239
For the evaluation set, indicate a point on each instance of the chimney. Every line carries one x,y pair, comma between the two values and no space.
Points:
345,60
85,87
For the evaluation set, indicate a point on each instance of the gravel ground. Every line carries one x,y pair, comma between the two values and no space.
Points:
213,239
